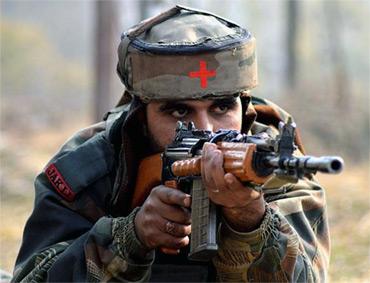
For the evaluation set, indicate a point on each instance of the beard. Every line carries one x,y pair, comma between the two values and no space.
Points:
154,144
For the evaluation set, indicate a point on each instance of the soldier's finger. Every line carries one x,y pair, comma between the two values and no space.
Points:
174,229
217,173
174,213
173,196
239,191
170,241
211,162
206,158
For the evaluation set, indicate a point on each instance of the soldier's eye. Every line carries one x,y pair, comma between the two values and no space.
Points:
179,113
221,109
222,106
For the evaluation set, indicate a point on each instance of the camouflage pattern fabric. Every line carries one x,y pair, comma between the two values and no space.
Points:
206,56
151,75
75,233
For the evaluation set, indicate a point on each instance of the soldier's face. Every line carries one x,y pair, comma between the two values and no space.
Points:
210,115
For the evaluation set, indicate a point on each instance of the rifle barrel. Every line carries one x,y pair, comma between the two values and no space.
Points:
324,164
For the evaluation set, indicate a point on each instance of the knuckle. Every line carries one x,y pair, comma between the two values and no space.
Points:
156,190
148,205
147,222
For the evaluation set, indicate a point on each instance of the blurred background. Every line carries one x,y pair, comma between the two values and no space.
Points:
58,62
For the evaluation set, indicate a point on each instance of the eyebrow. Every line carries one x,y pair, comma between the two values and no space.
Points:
228,101
170,105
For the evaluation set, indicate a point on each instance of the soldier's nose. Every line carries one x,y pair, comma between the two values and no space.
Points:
204,123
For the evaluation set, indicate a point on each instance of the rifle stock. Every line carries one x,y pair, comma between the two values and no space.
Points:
149,175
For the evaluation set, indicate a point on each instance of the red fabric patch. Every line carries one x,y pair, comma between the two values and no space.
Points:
58,182
203,74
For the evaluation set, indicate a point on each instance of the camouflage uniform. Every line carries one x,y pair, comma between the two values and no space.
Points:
82,227
83,238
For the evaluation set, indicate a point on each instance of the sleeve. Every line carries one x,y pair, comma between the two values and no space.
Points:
70,236
62,245
291,245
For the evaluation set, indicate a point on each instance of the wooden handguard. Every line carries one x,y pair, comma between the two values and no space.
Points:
238,160
187,167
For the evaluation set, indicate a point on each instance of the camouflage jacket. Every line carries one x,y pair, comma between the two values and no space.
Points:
81,228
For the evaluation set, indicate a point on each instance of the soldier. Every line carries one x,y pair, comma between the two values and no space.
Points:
187,65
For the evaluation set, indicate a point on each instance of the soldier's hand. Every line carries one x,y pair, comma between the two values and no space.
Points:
164,219
242,207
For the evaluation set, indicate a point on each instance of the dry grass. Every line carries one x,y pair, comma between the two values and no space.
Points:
14,213
348,198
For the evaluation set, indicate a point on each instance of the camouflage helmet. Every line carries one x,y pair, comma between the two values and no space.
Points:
185,53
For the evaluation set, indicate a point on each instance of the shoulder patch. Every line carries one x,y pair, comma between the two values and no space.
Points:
58,182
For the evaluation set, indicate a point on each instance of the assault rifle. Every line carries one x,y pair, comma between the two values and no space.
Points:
253,159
